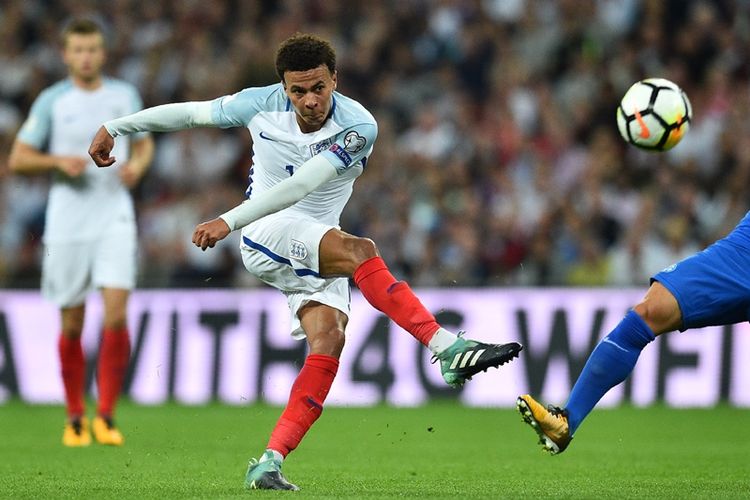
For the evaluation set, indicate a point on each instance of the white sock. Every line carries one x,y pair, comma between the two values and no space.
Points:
441,341
271,455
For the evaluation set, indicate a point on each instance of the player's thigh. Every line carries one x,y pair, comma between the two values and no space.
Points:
324,326
114,263
279,248
334,293
66,272
711,287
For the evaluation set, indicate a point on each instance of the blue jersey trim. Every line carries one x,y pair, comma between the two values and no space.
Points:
278,258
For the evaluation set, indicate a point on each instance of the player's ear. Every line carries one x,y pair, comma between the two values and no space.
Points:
334,76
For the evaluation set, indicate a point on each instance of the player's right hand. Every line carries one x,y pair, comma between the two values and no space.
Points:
100,148
206,234
72,166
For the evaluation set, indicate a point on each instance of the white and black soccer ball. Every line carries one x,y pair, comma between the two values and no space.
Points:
654,114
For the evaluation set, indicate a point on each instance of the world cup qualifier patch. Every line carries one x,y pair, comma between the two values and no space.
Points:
297,250
353,142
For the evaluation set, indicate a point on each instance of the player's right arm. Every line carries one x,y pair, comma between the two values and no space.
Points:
234,110
164,118
27,155
26,159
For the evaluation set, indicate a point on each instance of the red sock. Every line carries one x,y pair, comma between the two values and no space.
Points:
114,356
305,402
73,369
395,299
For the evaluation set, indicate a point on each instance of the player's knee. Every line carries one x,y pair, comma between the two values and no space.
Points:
659,316
72,325
115,321
72,331
329,342
362,249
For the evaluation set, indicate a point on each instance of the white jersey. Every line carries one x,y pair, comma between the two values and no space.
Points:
63,121
279,146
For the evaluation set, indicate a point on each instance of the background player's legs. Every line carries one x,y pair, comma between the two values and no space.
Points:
614,358
114,352
324,327
72,361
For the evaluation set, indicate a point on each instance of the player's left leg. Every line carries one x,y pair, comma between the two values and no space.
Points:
609,364
324,326
114,356
342,254
113,273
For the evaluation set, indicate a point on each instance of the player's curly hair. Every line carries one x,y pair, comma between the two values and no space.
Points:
302,52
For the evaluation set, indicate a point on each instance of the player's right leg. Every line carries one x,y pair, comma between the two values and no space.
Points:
342,254
65,282
324,327
73,371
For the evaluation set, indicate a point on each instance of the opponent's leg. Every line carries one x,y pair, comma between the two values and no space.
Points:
609,364
342,254
324,327
114,356
73,371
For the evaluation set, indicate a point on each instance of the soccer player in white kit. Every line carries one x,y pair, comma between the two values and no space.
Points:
310,143
90,232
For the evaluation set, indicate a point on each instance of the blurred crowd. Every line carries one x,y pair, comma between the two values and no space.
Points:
498,161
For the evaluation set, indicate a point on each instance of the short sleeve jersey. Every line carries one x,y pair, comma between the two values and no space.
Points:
279,146
63,120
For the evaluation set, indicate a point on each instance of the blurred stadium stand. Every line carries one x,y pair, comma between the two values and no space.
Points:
498,161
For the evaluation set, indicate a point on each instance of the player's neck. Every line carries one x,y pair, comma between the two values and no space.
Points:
306,128
87,83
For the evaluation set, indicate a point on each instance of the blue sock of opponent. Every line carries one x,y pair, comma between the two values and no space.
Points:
609,364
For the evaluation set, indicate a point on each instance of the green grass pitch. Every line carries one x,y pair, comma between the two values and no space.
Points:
439,450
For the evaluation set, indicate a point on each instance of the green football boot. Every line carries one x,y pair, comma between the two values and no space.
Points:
266,475
465,358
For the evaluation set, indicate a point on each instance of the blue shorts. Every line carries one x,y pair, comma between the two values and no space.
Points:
712,287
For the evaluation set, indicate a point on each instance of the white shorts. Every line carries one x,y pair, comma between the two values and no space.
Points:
71,270
282,250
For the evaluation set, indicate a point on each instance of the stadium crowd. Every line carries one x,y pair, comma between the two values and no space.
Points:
498,161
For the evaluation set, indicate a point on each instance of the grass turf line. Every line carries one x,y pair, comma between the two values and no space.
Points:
440,450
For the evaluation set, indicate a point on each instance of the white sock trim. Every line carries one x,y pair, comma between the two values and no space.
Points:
270,454
441,341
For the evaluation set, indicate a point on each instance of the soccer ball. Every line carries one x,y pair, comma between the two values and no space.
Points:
654,114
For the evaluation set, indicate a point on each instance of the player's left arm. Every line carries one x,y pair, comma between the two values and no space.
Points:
141,154
349,148
307,178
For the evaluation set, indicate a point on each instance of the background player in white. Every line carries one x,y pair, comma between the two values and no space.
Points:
90,233
310,143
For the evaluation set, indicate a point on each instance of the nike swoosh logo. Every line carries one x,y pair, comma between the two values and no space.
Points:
263,136
645,132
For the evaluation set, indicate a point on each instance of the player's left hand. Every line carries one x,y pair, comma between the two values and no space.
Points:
206,234
130,175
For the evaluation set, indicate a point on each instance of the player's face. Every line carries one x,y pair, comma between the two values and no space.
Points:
310,92
84,55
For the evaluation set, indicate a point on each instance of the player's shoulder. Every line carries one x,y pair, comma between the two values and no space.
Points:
268,98
121,86
349,112
55,91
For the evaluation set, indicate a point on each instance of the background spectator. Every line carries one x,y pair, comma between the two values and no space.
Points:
498,160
